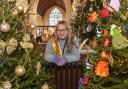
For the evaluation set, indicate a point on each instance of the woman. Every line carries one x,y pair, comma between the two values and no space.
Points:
62,47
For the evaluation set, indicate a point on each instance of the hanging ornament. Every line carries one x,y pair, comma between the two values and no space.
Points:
118,40
104,13
45,86
11,0
20,8
105,54
26,38
27,45
98,32
89,28
32,26
7,85
102,69
107,42
114,4
5,27
91,8
10,46
88,65
20,71
92,16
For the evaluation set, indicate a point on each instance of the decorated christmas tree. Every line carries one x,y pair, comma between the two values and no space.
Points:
21,60
105,24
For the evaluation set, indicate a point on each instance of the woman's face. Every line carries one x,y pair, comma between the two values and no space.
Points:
62,31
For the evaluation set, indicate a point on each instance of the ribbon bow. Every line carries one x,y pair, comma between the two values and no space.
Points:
9,46
26,44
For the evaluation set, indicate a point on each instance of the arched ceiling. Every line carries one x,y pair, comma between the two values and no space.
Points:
44,5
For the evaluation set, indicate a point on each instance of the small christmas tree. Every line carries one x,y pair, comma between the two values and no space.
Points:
21,62
104,23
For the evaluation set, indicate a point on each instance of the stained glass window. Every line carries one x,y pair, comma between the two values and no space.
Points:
55,16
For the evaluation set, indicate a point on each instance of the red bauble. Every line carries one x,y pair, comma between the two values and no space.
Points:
104,13
107,42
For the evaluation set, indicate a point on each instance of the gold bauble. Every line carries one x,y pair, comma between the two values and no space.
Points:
20,71
45,86
11,0
20,8
7,85
4,27
32,26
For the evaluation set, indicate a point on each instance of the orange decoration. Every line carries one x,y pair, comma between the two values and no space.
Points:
92,16
105,54
102,69
105,32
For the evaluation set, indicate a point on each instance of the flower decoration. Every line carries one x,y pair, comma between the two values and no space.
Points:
104,13
102,69
92,16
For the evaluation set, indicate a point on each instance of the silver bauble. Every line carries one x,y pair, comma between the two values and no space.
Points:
4,27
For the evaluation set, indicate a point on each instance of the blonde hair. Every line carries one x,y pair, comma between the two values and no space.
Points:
69,38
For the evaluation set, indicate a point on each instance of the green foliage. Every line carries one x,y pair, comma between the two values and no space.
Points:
117,59
29,58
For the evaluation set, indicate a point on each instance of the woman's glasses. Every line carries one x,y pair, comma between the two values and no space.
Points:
62,30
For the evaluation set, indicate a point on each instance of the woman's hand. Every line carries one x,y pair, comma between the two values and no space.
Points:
62,62
59,60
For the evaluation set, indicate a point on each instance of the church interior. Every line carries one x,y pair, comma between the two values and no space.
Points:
28,26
